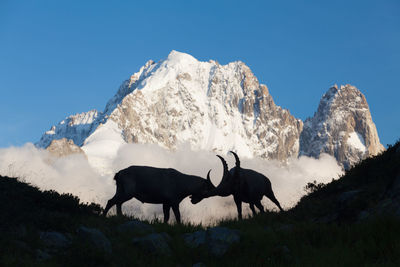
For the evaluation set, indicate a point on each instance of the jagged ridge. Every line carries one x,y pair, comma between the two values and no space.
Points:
221,108
341,127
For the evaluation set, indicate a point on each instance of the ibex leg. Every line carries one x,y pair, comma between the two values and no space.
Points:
119,209
175,209
252,209
110,203
119,202
271,196
238,203
166,209
259,206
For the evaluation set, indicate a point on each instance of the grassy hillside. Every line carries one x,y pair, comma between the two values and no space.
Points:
350,221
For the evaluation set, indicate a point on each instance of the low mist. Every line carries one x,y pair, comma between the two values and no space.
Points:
73,174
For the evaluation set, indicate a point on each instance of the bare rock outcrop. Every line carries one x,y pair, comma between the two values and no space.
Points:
214,107
64,147
341,127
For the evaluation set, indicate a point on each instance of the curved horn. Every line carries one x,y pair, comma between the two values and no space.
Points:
236,158
224,187
208,178
224,164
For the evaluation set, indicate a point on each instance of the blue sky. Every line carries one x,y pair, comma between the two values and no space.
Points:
58,58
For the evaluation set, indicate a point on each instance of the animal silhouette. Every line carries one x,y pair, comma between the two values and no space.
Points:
245,185
158,186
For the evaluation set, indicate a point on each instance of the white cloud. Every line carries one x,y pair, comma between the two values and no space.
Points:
73,174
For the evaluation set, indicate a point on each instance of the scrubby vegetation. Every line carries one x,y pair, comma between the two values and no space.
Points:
352,221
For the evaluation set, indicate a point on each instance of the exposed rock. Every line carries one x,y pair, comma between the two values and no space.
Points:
135,227
171,112
195,239
75,127
178,116
55,240
156,243
220,239
341,127
207,105
95,238
217,239
64,147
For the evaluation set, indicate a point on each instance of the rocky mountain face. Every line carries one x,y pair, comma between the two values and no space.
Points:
341,127
75,127
64,147
181,100
207,105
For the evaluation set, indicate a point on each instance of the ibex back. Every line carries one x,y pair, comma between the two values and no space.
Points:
158,186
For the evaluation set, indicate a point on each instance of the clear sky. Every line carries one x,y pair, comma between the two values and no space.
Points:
58,58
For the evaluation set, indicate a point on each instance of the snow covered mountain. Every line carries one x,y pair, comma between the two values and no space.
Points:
75,127
180,100
341,127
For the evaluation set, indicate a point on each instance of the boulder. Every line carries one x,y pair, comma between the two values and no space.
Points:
54,239
94,237
196,239
220,239
217,239
156,243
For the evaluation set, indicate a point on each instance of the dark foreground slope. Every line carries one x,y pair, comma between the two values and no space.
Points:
372,187
350,221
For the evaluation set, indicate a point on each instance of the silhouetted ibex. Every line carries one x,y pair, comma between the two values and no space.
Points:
245,185
158,186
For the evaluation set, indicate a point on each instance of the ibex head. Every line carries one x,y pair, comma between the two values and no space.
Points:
230,180
223,189
208,187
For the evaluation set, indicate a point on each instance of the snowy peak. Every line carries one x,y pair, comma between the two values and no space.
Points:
180,59
75,127
129,85
348,97
342,127
209,106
